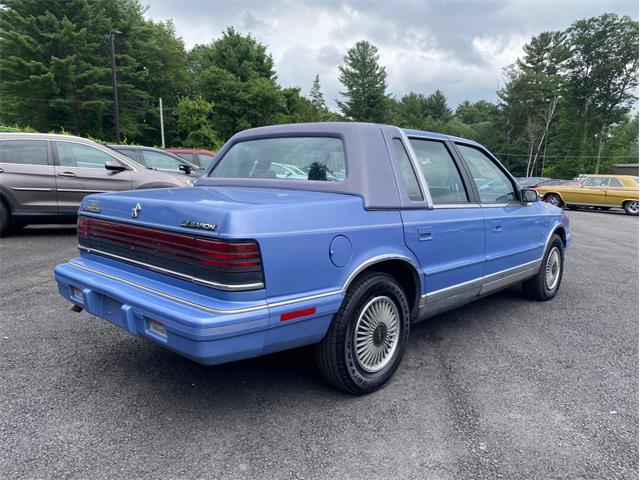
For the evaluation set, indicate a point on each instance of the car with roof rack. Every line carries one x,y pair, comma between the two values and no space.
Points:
389,227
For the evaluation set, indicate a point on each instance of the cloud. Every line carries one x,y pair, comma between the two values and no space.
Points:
457,46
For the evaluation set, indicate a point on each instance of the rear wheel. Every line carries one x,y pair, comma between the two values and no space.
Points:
631,207
368,336
546,283
553,199
5,220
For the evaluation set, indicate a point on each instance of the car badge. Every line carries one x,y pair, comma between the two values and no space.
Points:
135,211
202,226
92,206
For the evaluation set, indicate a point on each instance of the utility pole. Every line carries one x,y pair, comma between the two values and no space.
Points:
161,124
116,113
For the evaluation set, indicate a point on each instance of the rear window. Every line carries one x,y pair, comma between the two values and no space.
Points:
288,158
26,152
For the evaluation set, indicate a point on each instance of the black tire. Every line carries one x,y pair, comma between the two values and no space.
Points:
554,199
537,288
5,220
631,207
336,355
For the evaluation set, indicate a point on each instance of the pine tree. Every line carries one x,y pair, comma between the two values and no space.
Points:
317,98
366,84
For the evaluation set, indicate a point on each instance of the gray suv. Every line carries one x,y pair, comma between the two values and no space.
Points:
44,177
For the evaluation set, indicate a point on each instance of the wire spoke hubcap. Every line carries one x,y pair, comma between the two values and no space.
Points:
633,207
377,334
552,272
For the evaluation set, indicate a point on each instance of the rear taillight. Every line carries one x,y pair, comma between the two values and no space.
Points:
231,265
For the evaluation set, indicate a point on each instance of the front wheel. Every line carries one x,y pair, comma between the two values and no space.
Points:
367,337
5,220
553,199
631,208
546,283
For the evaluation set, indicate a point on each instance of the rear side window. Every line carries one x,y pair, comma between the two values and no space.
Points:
79,155
187,156
492,184
289,158
26,152
440,171
410,179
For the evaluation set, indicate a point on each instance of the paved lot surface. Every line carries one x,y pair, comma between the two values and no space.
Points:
503,388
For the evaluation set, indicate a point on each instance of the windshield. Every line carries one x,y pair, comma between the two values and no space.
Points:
290,158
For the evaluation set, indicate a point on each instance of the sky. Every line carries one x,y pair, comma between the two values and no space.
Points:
457,46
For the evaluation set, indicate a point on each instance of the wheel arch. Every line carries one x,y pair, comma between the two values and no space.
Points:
546,194
401,268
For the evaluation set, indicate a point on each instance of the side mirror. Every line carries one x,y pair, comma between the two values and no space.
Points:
185,168
529,195
114,166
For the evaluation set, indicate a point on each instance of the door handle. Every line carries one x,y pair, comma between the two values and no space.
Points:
497,227
1,170
66,174
424,235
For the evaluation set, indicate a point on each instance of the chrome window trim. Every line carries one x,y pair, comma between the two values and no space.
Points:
416,167
456,205
190,278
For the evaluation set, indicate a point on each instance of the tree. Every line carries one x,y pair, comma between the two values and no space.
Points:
365,82
437,108
603,71
55,66
480,111
193,121
317,98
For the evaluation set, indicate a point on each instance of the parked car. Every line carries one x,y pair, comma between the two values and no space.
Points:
601,191
43,178
245,264
202,158
535,182
157,159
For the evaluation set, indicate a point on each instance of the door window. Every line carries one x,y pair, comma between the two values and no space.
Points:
492,183
160,160
596,181
187,156
26,152
205,159
83,156
615,182
440,171
409,176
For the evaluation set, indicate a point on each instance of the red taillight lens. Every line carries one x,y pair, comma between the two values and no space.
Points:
226,264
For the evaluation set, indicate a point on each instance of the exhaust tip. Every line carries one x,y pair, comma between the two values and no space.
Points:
76,308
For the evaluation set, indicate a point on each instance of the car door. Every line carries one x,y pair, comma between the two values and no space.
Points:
616,192
80,170
514,231
27,176
592,191
444,226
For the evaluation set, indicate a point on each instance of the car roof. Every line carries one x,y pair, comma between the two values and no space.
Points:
609,175
191,150
44,136
134,147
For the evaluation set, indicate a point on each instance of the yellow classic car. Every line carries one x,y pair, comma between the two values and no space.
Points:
601,191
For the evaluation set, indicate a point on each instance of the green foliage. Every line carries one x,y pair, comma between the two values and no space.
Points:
365,82
564,109
192,118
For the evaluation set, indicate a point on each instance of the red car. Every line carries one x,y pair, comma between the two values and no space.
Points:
201,158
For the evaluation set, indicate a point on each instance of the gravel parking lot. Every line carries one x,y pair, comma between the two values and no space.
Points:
502,388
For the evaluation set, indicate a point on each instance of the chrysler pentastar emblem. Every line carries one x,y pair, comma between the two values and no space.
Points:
200,225
135,211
